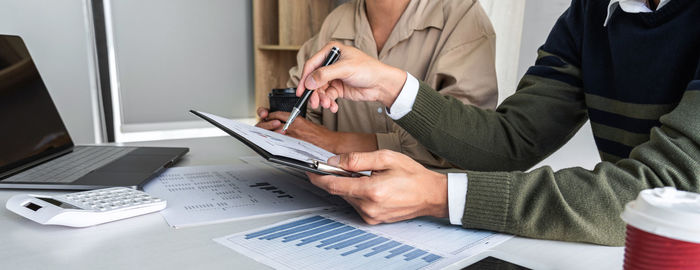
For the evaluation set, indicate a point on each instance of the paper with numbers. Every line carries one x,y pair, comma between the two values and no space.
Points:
211,194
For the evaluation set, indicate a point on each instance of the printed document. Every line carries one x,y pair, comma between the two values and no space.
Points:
211,194
341,240
274,143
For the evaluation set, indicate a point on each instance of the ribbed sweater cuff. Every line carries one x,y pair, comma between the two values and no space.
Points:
487,201
425,113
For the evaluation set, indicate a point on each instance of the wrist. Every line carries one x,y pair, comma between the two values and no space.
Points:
392,85
439,199
331,139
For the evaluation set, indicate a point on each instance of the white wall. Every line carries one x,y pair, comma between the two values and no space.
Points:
540,16
507,20
171,56
58,36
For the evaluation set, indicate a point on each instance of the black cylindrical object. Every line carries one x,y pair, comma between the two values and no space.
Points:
284,99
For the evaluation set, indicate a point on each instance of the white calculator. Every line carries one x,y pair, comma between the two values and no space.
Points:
87,208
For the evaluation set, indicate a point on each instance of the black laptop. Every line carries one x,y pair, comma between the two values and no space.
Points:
36,151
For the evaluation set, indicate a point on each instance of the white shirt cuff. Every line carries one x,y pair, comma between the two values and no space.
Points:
456,196
404,102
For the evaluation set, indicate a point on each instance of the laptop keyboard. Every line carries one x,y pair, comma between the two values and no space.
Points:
70,167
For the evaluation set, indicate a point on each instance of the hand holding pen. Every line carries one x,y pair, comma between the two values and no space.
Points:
330,59
357,76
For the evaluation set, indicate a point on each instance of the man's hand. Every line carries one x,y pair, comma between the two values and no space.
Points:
356,76
398,189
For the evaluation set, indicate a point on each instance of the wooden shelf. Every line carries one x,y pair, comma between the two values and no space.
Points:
271,47
280,27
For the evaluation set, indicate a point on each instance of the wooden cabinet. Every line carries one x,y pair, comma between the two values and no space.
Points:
280,27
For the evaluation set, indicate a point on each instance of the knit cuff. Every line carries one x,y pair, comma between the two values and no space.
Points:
488,201
422,119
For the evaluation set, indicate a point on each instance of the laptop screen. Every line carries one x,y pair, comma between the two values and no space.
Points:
30,126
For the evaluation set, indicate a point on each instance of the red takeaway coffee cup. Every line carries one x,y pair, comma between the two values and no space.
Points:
663,230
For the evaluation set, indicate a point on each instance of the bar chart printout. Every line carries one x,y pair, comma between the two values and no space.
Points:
342,241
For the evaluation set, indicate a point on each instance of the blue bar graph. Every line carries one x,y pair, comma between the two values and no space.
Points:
414,254
321,243
282,227
325,235
365,245
297,229
398,251
431,258
383,248
340,238
312,232
352,241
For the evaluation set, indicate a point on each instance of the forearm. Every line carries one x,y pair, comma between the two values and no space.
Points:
514,137
347,142
400,141
579,205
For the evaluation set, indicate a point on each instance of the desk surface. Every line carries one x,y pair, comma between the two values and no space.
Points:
147,242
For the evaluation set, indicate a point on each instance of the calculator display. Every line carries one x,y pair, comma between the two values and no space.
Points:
58,203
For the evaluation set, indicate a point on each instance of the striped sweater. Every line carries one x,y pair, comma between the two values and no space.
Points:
637,80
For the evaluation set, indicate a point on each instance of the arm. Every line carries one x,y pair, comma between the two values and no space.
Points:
572,204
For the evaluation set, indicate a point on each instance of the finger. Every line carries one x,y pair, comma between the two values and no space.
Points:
334,107
368,161
333,93
374,214
314,101
312,64
341,186
269,125
262,112
360,207
279,115
325,102
323,75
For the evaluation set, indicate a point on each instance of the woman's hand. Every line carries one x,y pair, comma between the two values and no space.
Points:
301,128
355,76
305,130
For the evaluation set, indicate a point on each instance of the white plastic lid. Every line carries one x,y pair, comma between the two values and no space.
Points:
666,212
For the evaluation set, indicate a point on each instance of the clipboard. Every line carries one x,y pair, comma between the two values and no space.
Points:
314,166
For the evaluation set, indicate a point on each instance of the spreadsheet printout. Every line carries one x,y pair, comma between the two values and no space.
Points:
341,240
210,194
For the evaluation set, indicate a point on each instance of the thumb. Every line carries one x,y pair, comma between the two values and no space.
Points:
369,161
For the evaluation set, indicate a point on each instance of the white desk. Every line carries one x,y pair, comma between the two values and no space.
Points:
147,242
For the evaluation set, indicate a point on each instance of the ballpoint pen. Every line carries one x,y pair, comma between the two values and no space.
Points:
332,57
